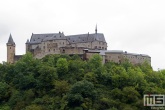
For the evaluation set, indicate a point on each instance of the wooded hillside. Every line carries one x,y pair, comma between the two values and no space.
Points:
61,82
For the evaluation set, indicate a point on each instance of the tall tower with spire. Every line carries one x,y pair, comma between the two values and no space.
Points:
10,50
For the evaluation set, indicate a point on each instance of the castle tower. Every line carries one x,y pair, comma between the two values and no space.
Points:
10,50
27,45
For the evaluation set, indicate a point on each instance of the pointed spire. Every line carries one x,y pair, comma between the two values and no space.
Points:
10,41
96,29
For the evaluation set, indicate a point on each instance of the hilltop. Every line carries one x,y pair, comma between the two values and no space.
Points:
62,82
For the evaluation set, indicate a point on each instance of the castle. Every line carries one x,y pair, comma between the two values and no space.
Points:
84,45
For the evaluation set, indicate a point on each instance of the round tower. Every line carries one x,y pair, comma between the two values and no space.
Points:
27,45
10,50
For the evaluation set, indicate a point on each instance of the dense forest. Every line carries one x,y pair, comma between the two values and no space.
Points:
62,82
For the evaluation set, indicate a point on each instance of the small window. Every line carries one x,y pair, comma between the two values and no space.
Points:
54,49
49,50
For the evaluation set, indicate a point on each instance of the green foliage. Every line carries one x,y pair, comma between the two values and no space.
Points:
4,92
80,91
61,87
5,107
33,107
62,82
95,64
46,77
62,67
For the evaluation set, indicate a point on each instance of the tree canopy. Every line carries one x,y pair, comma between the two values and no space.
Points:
62,82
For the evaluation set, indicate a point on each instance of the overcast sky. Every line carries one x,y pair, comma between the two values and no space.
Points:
136,26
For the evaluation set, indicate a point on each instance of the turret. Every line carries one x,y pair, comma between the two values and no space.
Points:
10,50
27,45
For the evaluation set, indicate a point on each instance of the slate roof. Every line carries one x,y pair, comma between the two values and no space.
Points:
85,38
80,38
143,55
102,52
113,51
38,38
10,41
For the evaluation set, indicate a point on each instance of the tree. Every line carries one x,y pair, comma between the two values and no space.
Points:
95,61
47,75
95,64
130,95
120,78
4,92
80,91
61,87
62,67
34,107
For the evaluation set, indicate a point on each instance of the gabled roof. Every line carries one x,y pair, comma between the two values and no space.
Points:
38,38
10,41
122,52
86,38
